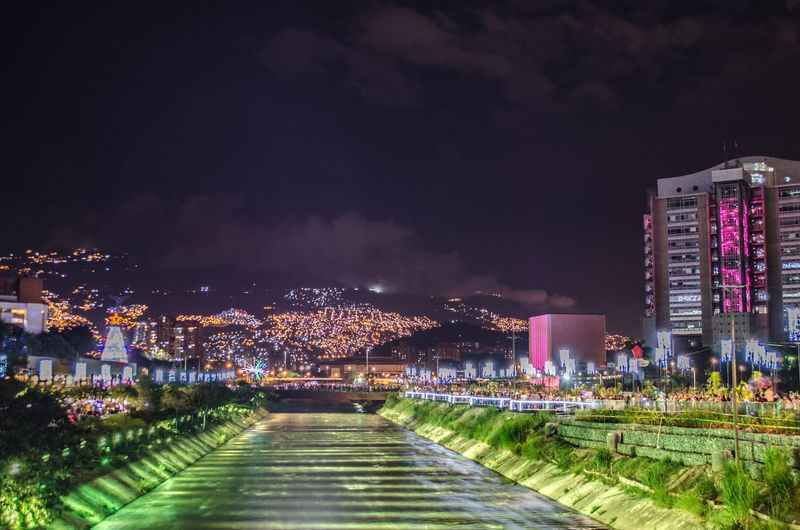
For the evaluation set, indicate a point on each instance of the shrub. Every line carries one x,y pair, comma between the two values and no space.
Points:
705,488
739,494
515,430
534,448
656,476
781,483
658,472
602,459
391,400
692,502
564,456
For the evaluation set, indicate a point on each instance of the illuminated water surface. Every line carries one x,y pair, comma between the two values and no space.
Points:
349,471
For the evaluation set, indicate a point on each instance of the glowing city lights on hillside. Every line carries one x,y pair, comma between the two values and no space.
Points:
229,317
341,332
315,297
487,317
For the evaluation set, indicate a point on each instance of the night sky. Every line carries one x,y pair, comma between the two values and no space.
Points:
435,147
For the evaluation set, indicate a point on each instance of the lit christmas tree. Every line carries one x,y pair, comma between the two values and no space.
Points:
114,348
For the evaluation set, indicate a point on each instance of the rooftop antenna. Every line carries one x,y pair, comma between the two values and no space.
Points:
724,154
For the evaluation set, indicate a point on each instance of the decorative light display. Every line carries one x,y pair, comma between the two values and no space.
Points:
622,362
663,352
550,368
726,350
747,275
80,371
616,342
684,363
793,322
563,356
114,348
730,244
758,356
125,315
257,370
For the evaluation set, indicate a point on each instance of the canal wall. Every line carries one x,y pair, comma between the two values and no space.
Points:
93,501
607,503
689,446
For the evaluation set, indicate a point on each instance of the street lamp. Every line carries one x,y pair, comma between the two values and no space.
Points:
367,376
733,372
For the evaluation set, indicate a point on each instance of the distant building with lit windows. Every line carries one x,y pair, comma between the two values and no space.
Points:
736,224
21,304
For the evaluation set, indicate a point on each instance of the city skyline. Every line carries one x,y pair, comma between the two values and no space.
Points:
394,264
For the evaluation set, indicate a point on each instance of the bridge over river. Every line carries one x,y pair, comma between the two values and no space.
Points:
329,471
368,400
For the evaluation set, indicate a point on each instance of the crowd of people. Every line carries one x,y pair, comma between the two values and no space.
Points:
647,397
337,387
79,408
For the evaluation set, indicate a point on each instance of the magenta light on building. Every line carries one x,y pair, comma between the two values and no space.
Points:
730,228
582,335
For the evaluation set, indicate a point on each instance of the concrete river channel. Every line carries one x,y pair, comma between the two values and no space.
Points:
339,470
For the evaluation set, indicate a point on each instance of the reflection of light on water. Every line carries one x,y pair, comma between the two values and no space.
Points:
332,471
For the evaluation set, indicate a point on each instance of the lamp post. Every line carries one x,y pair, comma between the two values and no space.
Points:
733,373
513,351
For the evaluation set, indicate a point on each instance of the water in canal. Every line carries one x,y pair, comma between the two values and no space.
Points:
330,471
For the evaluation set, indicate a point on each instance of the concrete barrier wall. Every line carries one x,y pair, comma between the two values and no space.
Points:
688,445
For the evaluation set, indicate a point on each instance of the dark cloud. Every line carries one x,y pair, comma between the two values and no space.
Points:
554,56
297,53
209,232
424,41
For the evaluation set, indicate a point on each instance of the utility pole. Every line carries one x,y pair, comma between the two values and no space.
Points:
514,350
734,370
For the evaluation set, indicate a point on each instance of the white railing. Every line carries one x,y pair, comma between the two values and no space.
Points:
516,405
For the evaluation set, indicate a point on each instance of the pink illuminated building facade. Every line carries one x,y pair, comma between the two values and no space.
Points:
736,224
582,335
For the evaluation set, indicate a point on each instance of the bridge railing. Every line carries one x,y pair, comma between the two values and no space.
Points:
516,405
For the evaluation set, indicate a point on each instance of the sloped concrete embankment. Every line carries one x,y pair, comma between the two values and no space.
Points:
90,503
608,504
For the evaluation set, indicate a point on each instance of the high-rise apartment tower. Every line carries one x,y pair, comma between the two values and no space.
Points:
722,244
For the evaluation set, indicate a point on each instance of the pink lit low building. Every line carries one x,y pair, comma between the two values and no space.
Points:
582,335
